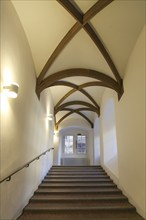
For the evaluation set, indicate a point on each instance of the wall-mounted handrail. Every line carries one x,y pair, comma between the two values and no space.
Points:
8,178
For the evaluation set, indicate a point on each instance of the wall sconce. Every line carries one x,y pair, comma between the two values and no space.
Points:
50,117
11,90
56,132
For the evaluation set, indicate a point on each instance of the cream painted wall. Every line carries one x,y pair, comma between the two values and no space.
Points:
131,112
56,155
109,139
130,129
108,143
25,129
97,141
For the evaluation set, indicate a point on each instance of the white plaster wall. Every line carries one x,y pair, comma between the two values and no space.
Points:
56,160
110,152
91,146
130,129
97,141
108,143
25,130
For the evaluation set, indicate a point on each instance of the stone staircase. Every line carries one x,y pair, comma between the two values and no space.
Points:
78,193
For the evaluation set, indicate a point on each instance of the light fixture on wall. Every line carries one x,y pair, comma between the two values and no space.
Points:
11,90
55,132
50,117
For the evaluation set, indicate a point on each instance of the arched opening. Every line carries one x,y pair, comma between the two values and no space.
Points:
75,146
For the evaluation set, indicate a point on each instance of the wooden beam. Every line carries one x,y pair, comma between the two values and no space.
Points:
86,118
94,83
64,117
72,111
65,97
79,72
59,108
74,90
78,15
78,87
79,109
103,51
64,83
72,32
72,10
96,8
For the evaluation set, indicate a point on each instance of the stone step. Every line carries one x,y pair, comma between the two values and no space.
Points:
80,205
76,167
78,191
83,199
37,209
126,215
77,173
75,185
78,202
81,168
74,170
79,180
77,196
76,176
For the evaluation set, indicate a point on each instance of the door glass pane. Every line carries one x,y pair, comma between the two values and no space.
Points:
68,145
81,144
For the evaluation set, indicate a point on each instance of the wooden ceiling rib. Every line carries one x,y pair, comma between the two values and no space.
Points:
74,90
104,52
72,10
96,8
79,109
79,87
72,111
72,32
87,27
83,19
95,109
101,78
79,72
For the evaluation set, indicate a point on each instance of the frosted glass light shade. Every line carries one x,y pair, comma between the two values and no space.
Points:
11,90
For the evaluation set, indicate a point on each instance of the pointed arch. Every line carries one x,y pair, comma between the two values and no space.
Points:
77,111
74,90
47,82
81,21
94,108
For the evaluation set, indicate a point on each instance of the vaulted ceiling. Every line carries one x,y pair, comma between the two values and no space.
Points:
79,48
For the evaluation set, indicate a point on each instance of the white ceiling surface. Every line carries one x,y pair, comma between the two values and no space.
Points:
119,25
46,22
78,53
